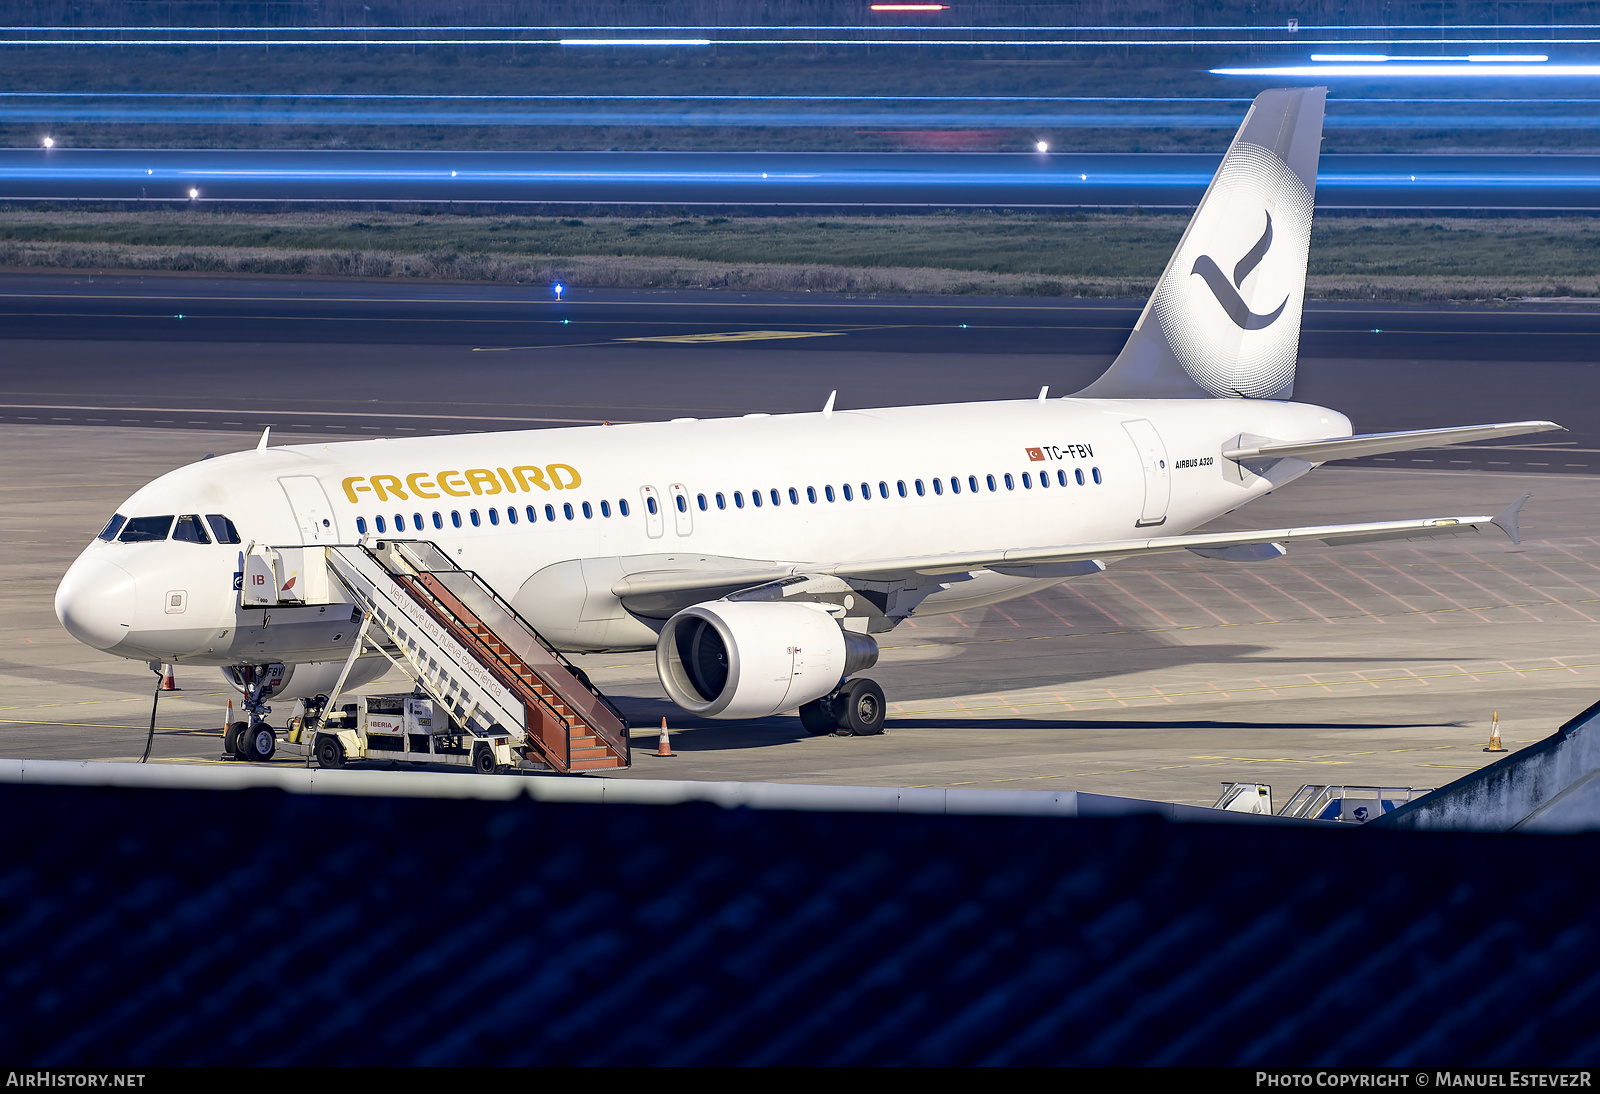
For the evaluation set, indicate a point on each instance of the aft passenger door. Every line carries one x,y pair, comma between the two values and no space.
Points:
1157,475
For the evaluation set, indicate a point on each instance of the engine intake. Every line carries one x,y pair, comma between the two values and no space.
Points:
726,659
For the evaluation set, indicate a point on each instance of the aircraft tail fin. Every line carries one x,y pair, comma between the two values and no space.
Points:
1224,320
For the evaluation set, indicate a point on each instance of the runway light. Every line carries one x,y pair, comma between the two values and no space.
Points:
910,7
452,174
49,142
1042,146
193,193
558,288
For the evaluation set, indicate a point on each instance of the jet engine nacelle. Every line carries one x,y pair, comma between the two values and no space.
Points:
725,659
314,677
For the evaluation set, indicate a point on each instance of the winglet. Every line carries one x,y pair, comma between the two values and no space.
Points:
827,408
1506,519
262,443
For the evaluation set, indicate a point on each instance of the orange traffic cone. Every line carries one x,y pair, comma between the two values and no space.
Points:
664,742
227,718
168,681
1494,735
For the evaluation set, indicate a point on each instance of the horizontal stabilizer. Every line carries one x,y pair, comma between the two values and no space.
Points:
1371,444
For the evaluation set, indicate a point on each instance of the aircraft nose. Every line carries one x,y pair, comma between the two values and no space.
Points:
95,602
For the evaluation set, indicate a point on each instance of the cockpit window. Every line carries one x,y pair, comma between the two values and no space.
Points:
146,529
222,529
190,530
113,526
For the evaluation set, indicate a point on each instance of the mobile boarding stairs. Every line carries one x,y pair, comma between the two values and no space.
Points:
500,691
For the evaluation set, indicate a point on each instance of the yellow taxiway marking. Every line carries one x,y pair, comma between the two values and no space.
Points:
734,336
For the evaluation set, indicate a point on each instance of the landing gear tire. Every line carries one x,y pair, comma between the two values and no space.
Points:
244,745
230,738
330,752
258,743
263,741
861,708
483,761
817,716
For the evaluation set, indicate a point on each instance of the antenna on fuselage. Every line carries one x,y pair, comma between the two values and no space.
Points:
827,408
1043,392
262,443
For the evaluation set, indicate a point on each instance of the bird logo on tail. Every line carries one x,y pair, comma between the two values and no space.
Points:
1227,293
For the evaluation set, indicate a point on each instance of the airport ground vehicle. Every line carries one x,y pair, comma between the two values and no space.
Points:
396,727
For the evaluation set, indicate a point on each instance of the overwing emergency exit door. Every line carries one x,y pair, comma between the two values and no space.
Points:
1157,474
311,509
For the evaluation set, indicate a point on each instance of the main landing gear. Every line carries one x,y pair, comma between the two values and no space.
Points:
253,741
855,708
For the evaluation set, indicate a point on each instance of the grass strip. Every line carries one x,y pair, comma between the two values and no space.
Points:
1016,255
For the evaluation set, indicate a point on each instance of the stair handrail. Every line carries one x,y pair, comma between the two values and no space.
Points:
456,627
505,605
460,628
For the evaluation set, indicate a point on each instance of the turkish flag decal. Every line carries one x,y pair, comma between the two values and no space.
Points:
1035,455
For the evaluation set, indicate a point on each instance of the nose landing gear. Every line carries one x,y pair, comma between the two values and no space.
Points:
855,708
254,741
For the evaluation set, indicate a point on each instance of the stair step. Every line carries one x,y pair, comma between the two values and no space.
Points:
595,764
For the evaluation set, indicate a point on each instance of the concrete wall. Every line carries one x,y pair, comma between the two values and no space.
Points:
601,791
1499,797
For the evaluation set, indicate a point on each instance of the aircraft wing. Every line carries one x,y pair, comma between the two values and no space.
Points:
1371,444
1039,561
1070,559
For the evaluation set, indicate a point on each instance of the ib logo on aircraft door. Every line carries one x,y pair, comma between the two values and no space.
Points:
1230,302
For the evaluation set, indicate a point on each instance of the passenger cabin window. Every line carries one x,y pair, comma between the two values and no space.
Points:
511,513
146,529
222,529
190,529
811,494
622,506
794,496
533,515
113,526
381,526
361,525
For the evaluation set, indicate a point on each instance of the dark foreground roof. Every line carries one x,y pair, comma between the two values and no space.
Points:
151,927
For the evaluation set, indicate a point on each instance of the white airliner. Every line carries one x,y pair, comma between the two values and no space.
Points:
759,555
